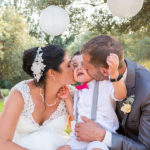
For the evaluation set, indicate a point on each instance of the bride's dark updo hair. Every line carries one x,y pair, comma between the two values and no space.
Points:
53,56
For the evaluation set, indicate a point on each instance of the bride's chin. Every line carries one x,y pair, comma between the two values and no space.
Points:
73,82
68,83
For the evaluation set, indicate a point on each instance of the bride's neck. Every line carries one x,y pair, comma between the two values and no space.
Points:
51,89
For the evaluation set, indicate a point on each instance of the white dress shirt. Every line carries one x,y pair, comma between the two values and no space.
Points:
106,105
105,115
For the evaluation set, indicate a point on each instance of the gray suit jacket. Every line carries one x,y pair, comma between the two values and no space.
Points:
134,131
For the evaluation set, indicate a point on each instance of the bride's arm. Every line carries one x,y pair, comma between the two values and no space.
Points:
8,121
69,105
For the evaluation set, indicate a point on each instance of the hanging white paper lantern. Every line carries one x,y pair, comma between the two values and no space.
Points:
125,8
54,20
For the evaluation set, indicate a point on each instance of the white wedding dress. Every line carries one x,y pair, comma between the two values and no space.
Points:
29,134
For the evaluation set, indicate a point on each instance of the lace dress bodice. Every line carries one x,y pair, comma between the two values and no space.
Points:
27,125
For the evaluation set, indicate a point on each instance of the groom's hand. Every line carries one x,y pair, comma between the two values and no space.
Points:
113,63
89,131
65,147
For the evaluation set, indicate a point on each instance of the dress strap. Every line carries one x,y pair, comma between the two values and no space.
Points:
24,89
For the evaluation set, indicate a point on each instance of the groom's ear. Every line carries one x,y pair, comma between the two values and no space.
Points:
104,71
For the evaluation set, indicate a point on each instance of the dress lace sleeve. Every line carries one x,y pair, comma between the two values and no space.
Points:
24,89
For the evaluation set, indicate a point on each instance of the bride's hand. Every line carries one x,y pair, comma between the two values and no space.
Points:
66,147
64,93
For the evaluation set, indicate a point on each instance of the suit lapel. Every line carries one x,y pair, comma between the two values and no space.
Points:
130,84
130,80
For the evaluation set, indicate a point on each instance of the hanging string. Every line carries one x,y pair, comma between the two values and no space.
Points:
52,39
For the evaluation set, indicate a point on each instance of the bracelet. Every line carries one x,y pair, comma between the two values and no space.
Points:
117,79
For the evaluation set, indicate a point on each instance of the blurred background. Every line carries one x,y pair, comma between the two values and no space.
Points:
19,30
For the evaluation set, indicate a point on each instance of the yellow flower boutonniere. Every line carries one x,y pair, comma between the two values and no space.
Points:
126,108
127,105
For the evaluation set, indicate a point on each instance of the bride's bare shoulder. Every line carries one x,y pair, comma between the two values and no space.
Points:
16,93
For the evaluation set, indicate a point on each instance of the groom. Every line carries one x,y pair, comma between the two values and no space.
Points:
134,130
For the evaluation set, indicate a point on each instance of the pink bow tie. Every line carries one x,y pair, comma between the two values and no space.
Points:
83,86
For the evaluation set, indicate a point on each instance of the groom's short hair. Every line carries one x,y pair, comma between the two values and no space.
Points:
100,47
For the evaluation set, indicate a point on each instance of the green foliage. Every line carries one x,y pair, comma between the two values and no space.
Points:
15,35
105,22
58,40
79,41
14,39
5,92
41,4
100,20
140,22
1,55
31,10
137,48
136,45
5,84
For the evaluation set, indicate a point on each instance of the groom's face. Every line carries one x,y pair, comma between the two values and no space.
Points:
92,70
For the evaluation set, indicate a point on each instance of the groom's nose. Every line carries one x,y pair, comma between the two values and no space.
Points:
84,66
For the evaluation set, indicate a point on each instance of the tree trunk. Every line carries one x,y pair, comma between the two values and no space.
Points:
1,97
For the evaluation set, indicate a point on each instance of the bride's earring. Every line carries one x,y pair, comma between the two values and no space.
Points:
54,78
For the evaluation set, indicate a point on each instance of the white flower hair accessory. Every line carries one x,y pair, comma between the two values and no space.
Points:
38,65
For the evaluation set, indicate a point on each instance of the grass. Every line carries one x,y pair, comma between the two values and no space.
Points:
1,105
5,93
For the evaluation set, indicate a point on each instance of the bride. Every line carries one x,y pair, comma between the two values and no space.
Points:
34,117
